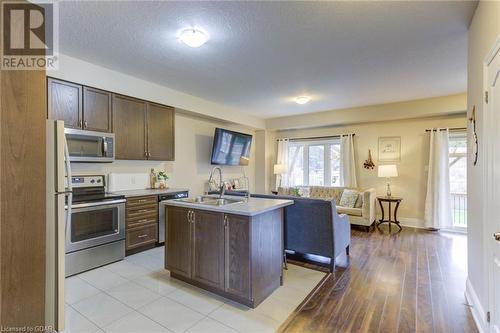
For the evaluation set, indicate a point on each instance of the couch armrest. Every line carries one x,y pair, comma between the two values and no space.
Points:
341,233
369,202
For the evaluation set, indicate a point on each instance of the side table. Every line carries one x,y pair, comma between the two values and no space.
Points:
390,201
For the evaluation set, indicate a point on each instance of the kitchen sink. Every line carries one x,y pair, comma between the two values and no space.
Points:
210,201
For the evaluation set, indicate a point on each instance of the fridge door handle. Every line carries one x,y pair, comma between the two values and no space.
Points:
68,165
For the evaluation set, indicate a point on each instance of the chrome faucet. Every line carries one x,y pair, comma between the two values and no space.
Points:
222,188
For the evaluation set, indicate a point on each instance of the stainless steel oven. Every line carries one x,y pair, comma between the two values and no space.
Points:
95,229
89,146
95,223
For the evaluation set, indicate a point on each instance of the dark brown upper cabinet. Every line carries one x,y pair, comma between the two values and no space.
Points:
161,124
143,130
97,110
80,107
129,119
65,102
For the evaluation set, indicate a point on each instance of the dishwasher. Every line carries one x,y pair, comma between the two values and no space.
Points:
162,218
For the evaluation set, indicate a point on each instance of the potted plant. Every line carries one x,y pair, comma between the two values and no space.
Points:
162,179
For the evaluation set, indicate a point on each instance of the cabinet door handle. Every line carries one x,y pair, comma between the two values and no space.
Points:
85,124
193,216
80,123
143,236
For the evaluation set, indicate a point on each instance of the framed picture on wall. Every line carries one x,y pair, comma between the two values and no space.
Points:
389,148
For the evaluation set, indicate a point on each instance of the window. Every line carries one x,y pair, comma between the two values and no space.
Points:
458,178
314,163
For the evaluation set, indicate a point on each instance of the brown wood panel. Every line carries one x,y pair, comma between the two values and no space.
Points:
65,102
129,123
237,280
140,236
22,179
178,248
97,110
208,248
408,282
266,228
161,132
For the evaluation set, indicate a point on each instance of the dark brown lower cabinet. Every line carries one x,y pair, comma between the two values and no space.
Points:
178,247
208,248
236,256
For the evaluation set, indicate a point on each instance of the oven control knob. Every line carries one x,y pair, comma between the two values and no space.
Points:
92,181
98,181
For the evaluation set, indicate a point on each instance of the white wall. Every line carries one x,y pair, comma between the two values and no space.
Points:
484,29
191,168
412,181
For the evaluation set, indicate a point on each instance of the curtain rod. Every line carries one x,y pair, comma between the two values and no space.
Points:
451,129
316,137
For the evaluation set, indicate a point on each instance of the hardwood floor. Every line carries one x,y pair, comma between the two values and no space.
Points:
413,281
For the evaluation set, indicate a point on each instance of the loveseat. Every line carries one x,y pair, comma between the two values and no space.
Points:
363,212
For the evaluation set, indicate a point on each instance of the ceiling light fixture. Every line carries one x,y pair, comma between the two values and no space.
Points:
302,99
193,37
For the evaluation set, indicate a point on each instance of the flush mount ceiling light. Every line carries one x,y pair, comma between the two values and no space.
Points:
193,37
302,99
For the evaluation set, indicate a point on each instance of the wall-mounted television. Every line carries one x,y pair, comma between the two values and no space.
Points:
231,148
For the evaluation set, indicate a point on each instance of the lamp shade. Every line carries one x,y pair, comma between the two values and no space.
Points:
387,171
280,169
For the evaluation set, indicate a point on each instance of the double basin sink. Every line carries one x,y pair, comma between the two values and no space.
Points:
210,201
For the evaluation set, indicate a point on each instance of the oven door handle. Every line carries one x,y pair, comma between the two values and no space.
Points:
96,204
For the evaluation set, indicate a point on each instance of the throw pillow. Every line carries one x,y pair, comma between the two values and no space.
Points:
349,198
359,202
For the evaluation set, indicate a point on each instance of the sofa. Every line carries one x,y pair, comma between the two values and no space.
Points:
313,227
363,212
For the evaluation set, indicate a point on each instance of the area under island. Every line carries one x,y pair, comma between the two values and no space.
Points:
231,246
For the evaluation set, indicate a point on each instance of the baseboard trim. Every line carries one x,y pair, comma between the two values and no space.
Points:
478,313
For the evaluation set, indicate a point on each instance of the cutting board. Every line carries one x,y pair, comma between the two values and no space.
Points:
127,181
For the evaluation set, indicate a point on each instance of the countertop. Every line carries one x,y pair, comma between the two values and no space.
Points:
143,192
252,207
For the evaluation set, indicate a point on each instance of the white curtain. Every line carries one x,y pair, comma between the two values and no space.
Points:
438,199
347,164
282,158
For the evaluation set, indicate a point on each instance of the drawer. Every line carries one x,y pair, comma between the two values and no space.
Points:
151,200
132,223
141,212
140,236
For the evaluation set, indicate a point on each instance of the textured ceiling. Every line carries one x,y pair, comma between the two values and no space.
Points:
262,54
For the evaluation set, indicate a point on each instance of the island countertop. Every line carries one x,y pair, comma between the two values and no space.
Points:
248,207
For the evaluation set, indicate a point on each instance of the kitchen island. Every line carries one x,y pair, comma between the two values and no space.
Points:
232,246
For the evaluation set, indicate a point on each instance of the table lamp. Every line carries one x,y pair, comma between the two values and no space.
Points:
280,169
388,171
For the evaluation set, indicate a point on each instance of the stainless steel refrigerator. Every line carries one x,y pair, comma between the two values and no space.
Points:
59,196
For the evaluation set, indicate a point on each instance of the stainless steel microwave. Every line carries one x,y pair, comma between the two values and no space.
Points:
89,146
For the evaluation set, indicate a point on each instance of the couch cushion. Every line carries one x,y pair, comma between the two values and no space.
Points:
324,192
359,202
349,211
348,198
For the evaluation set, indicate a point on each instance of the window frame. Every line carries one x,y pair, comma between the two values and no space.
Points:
327,161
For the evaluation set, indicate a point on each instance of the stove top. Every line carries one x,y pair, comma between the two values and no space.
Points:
91,189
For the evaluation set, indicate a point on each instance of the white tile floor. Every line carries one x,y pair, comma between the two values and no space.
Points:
138,295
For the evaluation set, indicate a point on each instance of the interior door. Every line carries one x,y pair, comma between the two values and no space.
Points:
493,114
